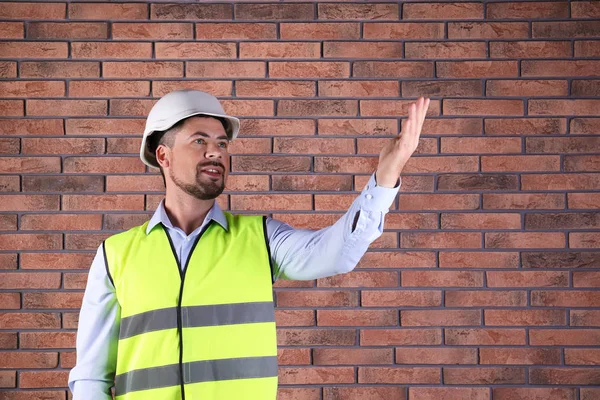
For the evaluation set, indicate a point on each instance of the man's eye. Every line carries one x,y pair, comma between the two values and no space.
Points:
223,145
200,141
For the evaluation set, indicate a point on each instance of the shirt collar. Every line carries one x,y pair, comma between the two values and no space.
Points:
160,216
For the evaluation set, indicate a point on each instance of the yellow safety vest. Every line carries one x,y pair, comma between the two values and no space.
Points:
204,333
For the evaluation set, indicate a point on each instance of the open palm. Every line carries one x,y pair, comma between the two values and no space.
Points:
398,150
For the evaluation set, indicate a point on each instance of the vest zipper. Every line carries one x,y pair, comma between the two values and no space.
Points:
182,278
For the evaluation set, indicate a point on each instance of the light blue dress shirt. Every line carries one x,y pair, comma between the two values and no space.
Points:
297,254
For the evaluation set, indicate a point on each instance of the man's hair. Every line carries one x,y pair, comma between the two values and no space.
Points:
167,138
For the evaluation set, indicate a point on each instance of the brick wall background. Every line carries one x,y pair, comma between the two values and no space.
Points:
485,283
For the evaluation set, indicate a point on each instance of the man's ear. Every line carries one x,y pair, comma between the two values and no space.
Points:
163,154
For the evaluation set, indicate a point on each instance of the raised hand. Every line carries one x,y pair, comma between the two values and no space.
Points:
398,150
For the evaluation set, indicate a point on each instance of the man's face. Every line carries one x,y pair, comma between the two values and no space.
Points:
200,158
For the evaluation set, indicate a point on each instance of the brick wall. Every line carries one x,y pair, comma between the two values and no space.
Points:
485,283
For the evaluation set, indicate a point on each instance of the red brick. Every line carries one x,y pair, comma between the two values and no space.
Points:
524,240
496,298
517,10
293,356
442,11
361,392
440,240
280,50
270,163
271,202
564,107
585,9
12,30
575,298
309,69
564,376
357,318
284,393
226,69
441,278
558,68
322,30
488,30
479,69
172,50
487,107
45,300
275,88
59,69
29,203
436,355
484,336
399,337
582,181
361,279
11,108
313,183
525,317
534,393
30,321
582,356
340,49
8,340
324,356
108,88
238,31
534,126
480,145
29,164
399,375
33,49
56,260
583,200
586,279
8,69
150,30
358,11
564,337
124,221
61,222
524,201
308,376
34,395
456,50
31,242
439,317
570,29
8,379
274,11
108,11
75,280
317,108
439,202
42,379
480,221
107,50
103,202
524,49
62,146
190,11
520,163
50,340
134,183
8,222
519,356
313,146
582,163
358,89
589,394
405,259
295,318
67,359
104,126
245,108
484,376
314,298
150,69
10,146
216,88
66,107
314,337
103,165
10,301
67,30
357,126
527,279
403,30
30,280
44,183
29,11
393,107
585,318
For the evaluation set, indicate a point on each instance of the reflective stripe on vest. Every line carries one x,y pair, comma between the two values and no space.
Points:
203,331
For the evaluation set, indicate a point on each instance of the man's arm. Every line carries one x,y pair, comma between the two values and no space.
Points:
306,254
303,254
97,336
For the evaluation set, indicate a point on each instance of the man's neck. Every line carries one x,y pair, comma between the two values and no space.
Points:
186,212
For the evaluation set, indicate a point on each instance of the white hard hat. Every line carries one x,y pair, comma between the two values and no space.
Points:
178,105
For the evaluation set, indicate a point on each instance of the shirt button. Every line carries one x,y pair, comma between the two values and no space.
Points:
187,239
369,197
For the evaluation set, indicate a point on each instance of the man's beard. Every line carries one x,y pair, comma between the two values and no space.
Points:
201,190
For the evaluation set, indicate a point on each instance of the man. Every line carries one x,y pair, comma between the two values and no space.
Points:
181,306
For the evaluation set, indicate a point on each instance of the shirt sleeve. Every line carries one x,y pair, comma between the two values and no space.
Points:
303,254
97,336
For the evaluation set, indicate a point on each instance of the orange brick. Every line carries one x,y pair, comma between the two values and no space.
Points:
275,88
358,11
150,69
238,30
172,50
62,146
24,10
108,11
320,30
110,50
147,30
59,69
